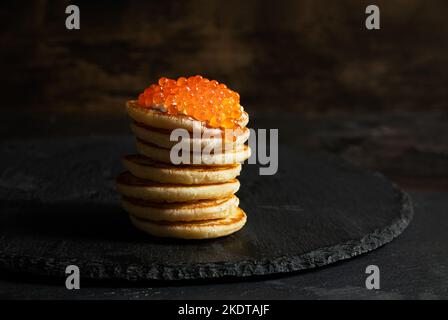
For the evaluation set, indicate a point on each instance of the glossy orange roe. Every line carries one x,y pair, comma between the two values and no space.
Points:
200,98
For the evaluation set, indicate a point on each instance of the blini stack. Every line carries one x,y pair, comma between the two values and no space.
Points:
189,201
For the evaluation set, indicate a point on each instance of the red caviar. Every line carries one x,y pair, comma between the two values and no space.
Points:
197,97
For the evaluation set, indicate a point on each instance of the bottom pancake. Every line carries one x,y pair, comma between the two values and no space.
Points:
206,229
180,211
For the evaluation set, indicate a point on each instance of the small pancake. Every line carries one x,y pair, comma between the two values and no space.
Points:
158,119
180,211
232,156
145,168
133,187
206,229
161,137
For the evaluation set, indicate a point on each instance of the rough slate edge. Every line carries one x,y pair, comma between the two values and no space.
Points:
244,268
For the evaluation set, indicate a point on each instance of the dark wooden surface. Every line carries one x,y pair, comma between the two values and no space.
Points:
60,208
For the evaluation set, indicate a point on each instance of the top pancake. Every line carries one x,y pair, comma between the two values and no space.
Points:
157,119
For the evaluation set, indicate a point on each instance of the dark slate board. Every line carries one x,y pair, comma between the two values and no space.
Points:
59,207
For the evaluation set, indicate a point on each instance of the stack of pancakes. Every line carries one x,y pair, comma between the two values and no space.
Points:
190,201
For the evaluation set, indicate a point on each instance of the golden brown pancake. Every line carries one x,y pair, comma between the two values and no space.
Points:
161,138
194,230
163,155
180,211
133,187
158,119
145,168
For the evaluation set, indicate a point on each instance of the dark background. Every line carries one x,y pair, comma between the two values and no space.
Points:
377,98
310,68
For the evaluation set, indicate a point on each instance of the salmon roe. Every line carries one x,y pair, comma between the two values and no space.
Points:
197,97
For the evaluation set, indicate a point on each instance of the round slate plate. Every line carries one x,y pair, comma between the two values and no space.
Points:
59,207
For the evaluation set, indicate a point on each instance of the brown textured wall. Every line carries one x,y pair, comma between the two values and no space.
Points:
300,55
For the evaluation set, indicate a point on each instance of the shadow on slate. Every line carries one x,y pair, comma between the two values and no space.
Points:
59,207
